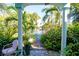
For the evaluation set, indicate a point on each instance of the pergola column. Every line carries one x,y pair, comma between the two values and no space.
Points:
20,40
64,33
64,29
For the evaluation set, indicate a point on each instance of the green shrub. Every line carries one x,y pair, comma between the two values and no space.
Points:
6,34
47,26
3,41
73,41
72,49
70,36
52,39
43,38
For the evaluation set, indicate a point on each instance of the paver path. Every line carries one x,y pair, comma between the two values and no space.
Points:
38,50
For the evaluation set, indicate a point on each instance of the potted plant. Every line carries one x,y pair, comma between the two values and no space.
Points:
28,40
27,46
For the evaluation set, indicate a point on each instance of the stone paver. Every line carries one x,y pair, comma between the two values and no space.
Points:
43,52
38,52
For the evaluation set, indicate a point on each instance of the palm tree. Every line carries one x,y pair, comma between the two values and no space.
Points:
9,12
75,12
34,17
3,7
50,13
30,20
10,21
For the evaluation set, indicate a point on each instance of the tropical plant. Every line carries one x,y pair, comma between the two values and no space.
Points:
74,12
72,50
29,24
47,26
8,24
7,32
50,13
52,38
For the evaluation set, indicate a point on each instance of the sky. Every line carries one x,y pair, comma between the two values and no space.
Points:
35,8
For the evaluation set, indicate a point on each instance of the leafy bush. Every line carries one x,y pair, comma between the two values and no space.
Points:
73,47
6,36
70,35
72,50
52,39
47,26
7,32
3,40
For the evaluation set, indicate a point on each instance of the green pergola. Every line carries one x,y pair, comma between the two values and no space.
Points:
62,7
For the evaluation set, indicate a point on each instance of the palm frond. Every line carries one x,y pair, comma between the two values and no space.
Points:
11,8
51,9
2,6
44,9
45,17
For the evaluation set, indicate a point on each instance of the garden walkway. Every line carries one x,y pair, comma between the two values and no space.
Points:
38,50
